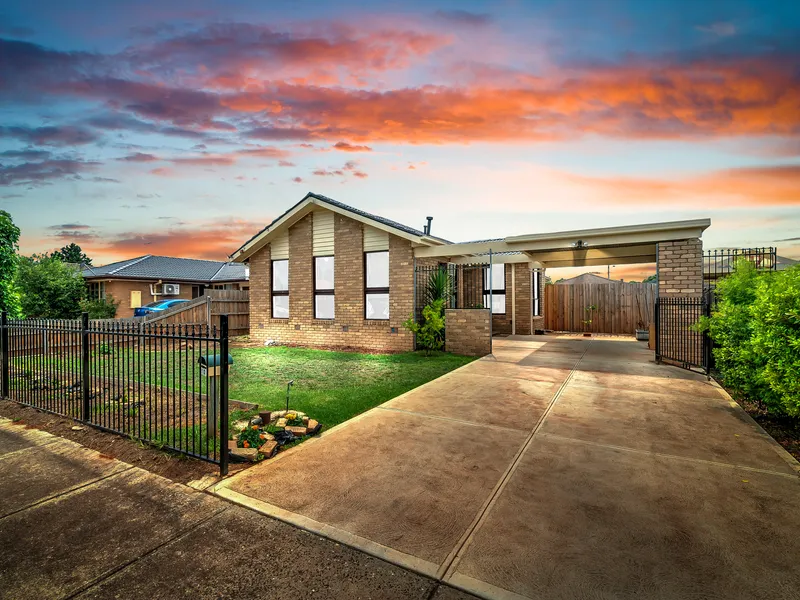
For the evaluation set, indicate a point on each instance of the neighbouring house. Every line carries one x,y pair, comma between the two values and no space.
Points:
328,275
783,263
586,279
144,279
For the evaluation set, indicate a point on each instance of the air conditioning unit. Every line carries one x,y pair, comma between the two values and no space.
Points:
171,289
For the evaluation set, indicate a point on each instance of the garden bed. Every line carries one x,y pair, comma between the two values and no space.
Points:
784,430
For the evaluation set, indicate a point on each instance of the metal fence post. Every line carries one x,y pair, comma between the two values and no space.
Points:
223,394
658,329
85,366
4,342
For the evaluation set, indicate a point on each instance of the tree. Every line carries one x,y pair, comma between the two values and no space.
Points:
50,288
72,254
651,279
9,244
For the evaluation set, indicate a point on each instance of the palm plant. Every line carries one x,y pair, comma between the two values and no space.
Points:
439,287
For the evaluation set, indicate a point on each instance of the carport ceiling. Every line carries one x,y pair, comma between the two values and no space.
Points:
629,244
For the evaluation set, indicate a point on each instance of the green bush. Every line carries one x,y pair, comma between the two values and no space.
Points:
756,330
102,308
430,332
49,288
776,335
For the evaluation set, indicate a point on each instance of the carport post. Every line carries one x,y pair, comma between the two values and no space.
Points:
491,302
4,343
223,394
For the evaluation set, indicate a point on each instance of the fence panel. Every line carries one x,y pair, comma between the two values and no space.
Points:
677,339
207,309
620,308
143,380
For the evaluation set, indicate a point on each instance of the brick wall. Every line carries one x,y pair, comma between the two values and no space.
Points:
467,331
680,268
349,329
523,303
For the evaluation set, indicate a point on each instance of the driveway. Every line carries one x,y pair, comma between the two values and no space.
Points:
559,467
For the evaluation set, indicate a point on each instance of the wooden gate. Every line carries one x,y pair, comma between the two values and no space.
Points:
619,307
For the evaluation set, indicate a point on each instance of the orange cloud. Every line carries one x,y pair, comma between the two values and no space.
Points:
749,186
214,241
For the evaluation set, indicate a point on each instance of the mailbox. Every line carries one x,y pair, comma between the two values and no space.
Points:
210,365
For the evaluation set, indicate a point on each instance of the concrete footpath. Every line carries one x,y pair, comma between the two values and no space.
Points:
76,524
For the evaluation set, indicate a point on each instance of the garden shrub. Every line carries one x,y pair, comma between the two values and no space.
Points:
756,331
776,335
430,331
100,308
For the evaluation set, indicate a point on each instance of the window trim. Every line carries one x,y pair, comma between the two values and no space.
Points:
375,290
273,291
324,291
101,290
495,291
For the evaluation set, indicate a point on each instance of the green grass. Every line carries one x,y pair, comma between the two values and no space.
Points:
330,387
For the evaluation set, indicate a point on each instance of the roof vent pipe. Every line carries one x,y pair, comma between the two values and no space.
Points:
428,226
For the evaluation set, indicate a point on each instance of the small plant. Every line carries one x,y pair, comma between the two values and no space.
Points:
590,310
105,349
249,437
440,286
429,332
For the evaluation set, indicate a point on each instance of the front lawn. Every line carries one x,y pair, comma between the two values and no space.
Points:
330,386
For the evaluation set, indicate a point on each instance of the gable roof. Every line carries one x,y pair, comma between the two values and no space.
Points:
587,278
167,267
300,209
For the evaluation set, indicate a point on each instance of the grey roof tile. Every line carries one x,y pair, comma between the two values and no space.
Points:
167,267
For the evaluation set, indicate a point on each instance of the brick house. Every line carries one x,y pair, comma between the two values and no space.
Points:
144,279
328,275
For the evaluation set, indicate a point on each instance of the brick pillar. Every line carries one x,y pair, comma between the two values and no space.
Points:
523,309
680,268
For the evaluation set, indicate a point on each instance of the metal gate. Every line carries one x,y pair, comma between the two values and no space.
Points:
678,339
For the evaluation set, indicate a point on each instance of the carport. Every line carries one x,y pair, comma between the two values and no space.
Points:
675,247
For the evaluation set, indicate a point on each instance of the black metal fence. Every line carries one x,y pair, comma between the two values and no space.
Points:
721,262
466,285
143,380
678,339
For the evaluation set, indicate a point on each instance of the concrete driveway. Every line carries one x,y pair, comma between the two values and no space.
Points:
559,467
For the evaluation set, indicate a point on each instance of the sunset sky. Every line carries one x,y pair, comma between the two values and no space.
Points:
181,128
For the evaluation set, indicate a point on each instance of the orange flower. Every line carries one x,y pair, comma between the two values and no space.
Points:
263,436
255,427
246,444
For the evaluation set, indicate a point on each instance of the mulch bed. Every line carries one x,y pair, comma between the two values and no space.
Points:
171,465
785,430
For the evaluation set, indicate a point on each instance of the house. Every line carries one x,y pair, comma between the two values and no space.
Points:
144,279
586,279
328,275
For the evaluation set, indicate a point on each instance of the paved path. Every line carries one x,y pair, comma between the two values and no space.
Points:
75,524
557,468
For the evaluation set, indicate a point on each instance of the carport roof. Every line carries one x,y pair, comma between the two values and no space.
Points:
581,247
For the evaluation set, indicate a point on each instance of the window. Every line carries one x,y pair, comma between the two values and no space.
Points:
536,282
376,290
280,289
497,287
97,290
324,298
